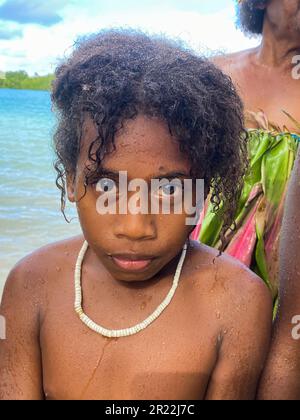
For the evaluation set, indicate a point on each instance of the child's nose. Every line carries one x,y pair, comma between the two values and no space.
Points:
135,227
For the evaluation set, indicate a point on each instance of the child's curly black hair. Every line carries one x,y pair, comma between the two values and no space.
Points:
251,16
117,74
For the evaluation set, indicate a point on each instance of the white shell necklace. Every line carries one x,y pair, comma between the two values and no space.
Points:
129,331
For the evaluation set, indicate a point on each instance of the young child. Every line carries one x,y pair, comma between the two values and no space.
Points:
148,107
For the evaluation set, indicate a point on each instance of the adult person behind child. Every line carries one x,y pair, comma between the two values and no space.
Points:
281,380
267,76
268,80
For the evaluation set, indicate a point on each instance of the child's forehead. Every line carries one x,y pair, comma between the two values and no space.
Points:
141,140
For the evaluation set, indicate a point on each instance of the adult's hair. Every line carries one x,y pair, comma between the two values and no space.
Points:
251,16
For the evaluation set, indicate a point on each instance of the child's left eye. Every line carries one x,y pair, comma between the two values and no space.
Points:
170,190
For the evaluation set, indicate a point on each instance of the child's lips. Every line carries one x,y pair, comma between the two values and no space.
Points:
132,263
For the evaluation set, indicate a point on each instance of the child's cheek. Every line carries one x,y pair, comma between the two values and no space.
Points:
86,201
173,227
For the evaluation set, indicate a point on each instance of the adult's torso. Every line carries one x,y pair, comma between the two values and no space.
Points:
265,88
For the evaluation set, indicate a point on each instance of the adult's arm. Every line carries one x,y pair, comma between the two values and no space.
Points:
281,378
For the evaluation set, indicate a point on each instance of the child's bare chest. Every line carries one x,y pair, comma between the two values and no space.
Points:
172,359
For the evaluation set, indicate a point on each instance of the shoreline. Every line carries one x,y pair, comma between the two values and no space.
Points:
27,89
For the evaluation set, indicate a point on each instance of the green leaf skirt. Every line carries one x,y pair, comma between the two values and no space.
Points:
258,219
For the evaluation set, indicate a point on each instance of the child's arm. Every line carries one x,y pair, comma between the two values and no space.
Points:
281,379
244,341
20,357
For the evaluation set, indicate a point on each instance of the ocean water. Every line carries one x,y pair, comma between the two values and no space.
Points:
30,214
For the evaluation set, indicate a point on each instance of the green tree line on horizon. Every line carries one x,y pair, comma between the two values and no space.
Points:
21,80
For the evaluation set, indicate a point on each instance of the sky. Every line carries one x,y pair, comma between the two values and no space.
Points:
36,34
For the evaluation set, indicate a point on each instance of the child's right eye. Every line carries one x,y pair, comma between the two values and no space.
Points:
106,185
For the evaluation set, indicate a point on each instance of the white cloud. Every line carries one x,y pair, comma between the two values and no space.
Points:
40,47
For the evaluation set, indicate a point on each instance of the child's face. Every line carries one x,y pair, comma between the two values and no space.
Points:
133,247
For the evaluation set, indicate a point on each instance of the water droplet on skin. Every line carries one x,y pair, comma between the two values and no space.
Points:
42,280
58,269
218,315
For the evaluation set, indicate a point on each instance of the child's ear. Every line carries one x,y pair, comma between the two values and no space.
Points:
71,188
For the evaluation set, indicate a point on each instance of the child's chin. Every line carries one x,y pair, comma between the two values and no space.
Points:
132,277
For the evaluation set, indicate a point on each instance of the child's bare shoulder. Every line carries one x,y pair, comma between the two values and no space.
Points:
227,280
35,271
233,302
